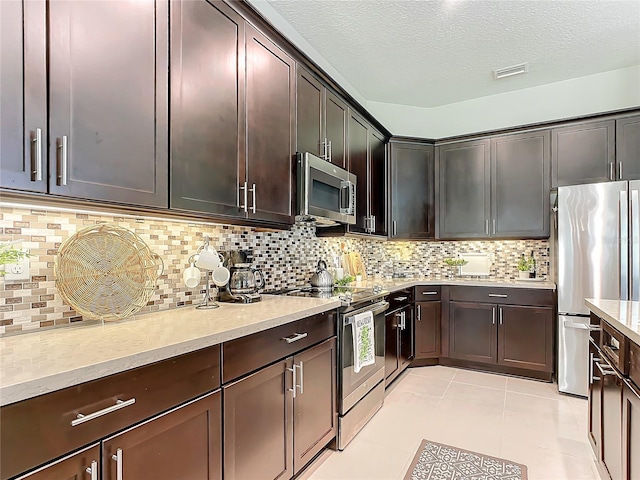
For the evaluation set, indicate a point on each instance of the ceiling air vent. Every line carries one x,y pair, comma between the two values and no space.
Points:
509,71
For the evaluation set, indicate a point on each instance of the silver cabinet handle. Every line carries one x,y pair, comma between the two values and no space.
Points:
581,326
293,389
85,418
301,367
493,315
395,228
620,170
591,377
244,205
500,310
118,458
330,152
325,155
494,226
295,337
253,191
373,228
429,293
404,320
486,227
498,295
93,470
64,157
36,173
400,299
418,313
605,372
611,172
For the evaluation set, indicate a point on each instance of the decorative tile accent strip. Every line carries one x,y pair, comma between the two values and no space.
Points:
287,258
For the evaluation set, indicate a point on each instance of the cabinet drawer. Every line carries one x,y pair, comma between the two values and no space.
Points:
426,293
400,298
634,363
505,296
252,352
39,429
614,346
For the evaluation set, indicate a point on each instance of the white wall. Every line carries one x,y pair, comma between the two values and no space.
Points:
602,92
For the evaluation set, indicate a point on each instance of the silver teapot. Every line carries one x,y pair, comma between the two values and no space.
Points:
322,279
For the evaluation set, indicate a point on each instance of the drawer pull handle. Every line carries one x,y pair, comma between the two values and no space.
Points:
429,293
295,337
118,458
605,371
93,470
85,418
400,299
499,295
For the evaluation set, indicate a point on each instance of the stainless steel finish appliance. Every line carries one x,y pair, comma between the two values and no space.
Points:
326,192
598,256
244,282
360,395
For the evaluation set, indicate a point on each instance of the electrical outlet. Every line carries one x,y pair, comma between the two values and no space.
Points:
17,271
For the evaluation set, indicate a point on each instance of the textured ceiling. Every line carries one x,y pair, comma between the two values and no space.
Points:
429,53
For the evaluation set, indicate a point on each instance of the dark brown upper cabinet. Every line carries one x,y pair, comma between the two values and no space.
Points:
321,120
583,153
411,195
520,178
628,148
23,96
465,187
207,107
496,188
108,101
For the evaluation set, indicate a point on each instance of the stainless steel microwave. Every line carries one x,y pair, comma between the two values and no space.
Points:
326,192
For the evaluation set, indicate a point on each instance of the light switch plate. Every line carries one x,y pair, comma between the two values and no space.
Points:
17,271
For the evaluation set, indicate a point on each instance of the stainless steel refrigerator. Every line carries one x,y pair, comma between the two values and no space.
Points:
598,256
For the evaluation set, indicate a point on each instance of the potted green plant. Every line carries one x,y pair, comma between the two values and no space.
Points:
524,267
10,254
455,264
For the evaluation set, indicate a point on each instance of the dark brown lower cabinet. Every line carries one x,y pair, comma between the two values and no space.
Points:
631,431
78,466
473,333
278,418
399,342
525,337
391,363
183,443
427,330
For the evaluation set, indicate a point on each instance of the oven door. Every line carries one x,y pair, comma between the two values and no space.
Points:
355,386
325,191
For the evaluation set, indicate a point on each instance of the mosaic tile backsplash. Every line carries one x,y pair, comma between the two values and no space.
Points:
287,258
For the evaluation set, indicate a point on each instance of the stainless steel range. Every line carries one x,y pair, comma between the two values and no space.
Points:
360,394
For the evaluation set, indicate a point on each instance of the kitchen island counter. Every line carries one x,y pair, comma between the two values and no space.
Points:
41,362
622,315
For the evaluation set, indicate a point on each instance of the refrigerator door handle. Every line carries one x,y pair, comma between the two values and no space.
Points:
623,224
634,231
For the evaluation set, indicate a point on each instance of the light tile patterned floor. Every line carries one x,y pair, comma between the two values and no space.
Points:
520,420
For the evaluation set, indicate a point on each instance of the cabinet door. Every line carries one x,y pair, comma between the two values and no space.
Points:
406,338
427,329
336,120
108,93
628,148
207,107
270,91
464,190
78,466
23,95
595,402
392,344
315,415
520,176
183,443
631,432
309,114
412,201
258,425
378,183
611,420
473,332
583,153
525,337
359,166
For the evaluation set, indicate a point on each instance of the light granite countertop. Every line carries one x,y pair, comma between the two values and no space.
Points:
622,315
40,362
36,363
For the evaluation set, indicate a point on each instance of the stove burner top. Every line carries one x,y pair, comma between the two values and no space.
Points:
347,294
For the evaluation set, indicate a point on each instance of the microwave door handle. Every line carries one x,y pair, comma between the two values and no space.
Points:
351,193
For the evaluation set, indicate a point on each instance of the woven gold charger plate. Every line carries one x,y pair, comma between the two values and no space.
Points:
106,272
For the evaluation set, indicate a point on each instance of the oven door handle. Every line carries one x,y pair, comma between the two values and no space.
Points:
378,308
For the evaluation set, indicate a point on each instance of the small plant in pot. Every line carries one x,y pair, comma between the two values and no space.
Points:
524,267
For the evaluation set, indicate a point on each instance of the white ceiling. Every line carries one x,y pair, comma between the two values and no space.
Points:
429,53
